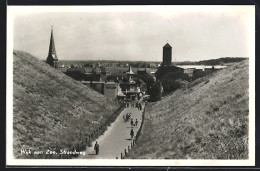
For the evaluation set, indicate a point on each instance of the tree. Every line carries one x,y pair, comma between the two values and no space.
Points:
156,91
148,79
170,83
162,70
141,84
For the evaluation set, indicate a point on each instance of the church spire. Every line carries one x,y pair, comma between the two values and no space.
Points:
52,50
52,58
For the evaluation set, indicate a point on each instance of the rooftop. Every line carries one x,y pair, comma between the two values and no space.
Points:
130,71
167,45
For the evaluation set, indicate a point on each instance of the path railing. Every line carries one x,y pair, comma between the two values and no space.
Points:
86,141
126,151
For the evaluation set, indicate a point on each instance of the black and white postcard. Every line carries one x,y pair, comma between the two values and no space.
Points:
131,85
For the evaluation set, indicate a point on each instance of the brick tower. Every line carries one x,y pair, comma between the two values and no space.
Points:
167,55
52,58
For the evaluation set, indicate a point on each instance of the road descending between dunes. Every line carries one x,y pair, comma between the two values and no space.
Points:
116,138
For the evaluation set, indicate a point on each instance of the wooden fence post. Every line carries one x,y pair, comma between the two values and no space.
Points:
125,152
121,155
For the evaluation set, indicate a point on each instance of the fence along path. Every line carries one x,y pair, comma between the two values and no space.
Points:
116,138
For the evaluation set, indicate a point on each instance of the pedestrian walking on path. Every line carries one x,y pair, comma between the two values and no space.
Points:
132,133
96,148
132,122
136,122
118,132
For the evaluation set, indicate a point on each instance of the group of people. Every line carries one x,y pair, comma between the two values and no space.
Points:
134,124
134,105
127,117
96,147
128,104
138,106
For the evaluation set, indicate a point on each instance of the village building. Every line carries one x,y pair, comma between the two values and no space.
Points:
80,70
104,71
116,86
112,90
97,70
145,71
141,72
88,70
95,85
52,58
189,71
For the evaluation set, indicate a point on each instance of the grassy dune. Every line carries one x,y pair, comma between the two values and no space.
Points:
206,120
51,110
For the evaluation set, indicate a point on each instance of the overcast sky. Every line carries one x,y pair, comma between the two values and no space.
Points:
134,35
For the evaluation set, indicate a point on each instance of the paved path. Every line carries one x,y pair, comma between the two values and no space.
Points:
116,138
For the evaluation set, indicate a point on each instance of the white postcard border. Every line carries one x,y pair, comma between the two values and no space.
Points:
11,161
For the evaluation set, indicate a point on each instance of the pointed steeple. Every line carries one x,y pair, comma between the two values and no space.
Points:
130,71
52,58
52,50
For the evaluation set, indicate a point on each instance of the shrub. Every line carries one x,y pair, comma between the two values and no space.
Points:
200,74
169,80
170,85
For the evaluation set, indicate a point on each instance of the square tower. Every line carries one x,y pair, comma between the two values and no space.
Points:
167,55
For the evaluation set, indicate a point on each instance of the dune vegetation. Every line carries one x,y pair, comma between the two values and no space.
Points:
207,119
51,111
